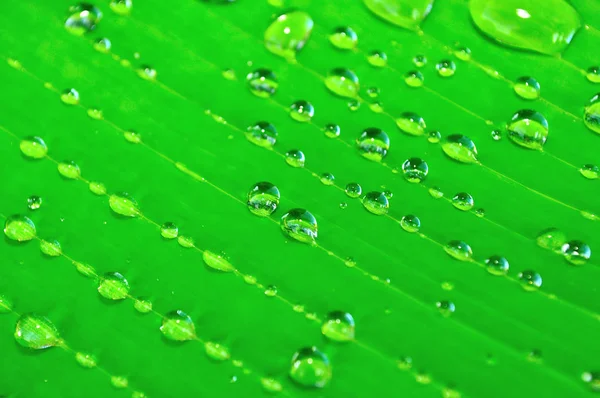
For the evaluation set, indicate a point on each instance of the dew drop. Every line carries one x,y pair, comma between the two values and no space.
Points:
404,363
590,171
262,83
436,192
33,147
376,107
463,53
302,111
301,225
70,96
353,190
147,72
415,170
97,188
185,241
34,202
119,381
217,261
446,68
528,129
86,360
132,136
419,60
459,249
576,252
332,130
85,269
593,74
403,13
373,144
178,326
113,286
376,203
121,7
343,82
102,45
497,265
445,307
344,38
460,148
229,74
263,199
69,169
463,201
19,228
496,135
479,212
327,178
36,332
530,280
271,291
338,326
143,306
169,230
353,105
310,368
410,223
527,87
288,34
50,248
377,58
373,92
216,351
591,115
95,114
551,239
350,262
411,123
83,18
592,379
414,78
262,134
123,204
271,385
295,158
434,136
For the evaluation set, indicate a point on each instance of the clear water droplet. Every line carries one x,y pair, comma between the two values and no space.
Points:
95,113
446,68
434,136
85,269
36,332
353,105
262,134
463,201
373,92
415,170
497,265
332,130
34,202
123,204
576,252
338,326
132,136
178,326
462,52
377,58
527,87
50,248
353,190
295,158
147,72
83,18
302,111
591,114
86,360
113,286
229,74
496,135
410,223
419,60
271,385
343,82
310,368
262,83
593,74
33,147
169,230
403,13
376,107
102,45
528,129
301,225
350,262
186,241
19,228
436,192
590,171
119,381
592,379
327,178
271,291
414,78
217,261
263,199
373,144
216,351
460,148
459,249
551,239
344,38
288,34
404,363
69,169
121,7
143,306
445,307
530,280
479,212
97,188
70,96
411,123
376,203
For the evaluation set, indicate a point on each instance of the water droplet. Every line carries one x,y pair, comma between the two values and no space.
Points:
423,378
121,7
404,363
373,92
436,192
592,379
528,129
434,136
353,190
50,248
419,60
123,204
169,230
36,332
344,38
332,130
262,134
327,178
527,87
5,305
132,136
83,19
19,228
102,45
414,78
450,392
459,250
463,201
446,68
142,306
217,261
119,381
300,224
339,326
229,74
302,111
343,82
530,280
97,188
445,307
406,14
376,107
34,202
576,252
178,326
463,53
185,241
373,144
85,269
295,158
113,286
377,58
353,105
546,28
593,74
497,265
263,199
69,169
271,385
70,96
590,171
95,114
376,203
343,205
271,291
410,223
496,135
147,72
310,368
411,123
216,351
262,82
415,169
447,285
591,115
288,34
33,147
460,148
86,360
551,239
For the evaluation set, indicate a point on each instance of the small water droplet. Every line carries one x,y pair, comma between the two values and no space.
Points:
419,60
83,18
353,190
576,252
271,385
353,105
593,74
436,192
528,129
147,72
376,203
415,170
479,212
406,14
590,171
434,136
411,123
551,239
343,82
460,148
217,261
288,34
459,249
271,291
446,68
462,52
445,307
178,326
50,248
451,392
121,7
262,83
591,115
36,332
527,87
123,204
119,381
185,241
301,225
344,38
592,379
463,201
142,306
69,169
496,135
262,134
85,269
34,202
95,114
97,188
376,107
263,199
33,147
373,92
229,74
404,363
86,360
19,228
447,286
302,111
410,223
295,158
373,144
216,351
530,280
113,286
497,265
310,368
70,96
423,378
327,178
102,45
332,130
169,230
338,326
132,136
414,78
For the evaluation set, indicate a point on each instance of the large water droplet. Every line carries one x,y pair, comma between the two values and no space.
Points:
262,134
263,199
414,78
332,130
459,250
590,171
262,83
33,147
217,261
376,203
353,189
310,368
83,18
411,123
591,114
178,326
113,286
576,252
19,228
373,144
463,201
460,148
527,87
543,26
339,326
302,111
288,34
342,82
295,158
410,223
344,38
415,169
497,265
300,224
36,332
530,280
407,14
528,129
69,169
123,204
